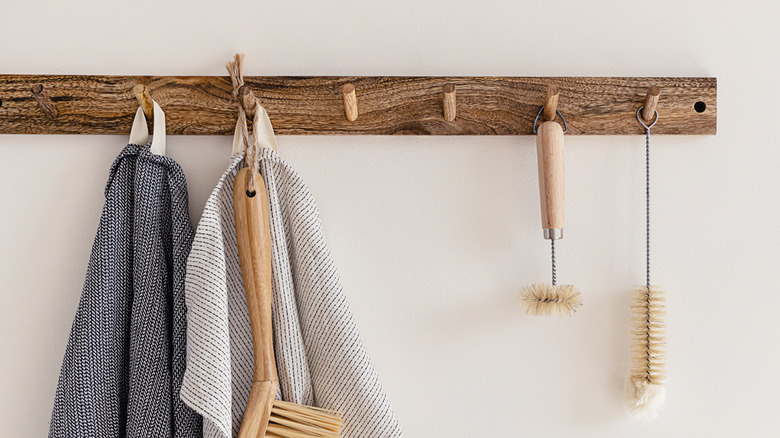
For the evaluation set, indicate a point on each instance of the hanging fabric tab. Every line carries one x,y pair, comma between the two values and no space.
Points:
139,133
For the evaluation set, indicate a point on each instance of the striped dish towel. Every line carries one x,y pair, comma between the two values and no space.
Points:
320,358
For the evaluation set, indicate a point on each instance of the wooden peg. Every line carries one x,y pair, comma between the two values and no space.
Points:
550,102
247,100
44,101
651,102
144,100
350,102
450,108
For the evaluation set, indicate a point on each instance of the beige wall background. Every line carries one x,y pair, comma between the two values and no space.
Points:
435,236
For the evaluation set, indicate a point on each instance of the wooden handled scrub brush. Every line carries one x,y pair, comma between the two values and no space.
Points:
645,386
264,416
540,298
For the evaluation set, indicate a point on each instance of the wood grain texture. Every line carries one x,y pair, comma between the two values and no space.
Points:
144,100
549,155
350,102
203,105
44,101
253,235
449,102
651,103
550,102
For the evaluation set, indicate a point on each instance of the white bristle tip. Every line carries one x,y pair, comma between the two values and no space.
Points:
644,400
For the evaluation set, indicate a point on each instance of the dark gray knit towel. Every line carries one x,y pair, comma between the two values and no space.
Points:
125,358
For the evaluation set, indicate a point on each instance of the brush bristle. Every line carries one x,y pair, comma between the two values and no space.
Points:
644,388
546,299
644,400
291,420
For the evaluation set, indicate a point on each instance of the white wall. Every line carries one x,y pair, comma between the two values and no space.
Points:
435,236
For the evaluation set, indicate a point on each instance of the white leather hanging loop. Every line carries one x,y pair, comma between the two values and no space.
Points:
139,133
238,142
265,133
158,138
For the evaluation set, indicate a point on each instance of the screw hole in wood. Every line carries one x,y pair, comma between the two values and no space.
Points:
700,106
251,194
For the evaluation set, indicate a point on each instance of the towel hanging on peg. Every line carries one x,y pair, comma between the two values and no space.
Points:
124,361
313,327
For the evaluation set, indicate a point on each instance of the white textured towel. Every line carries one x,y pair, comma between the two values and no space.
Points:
320,358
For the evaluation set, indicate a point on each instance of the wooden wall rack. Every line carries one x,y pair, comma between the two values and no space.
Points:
204,105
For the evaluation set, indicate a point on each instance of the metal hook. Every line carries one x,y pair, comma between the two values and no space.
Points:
557,111
642,122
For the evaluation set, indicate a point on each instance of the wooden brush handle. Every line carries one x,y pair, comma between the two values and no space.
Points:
549,153
253,235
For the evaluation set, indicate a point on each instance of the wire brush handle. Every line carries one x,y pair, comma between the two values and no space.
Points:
549,154
253,235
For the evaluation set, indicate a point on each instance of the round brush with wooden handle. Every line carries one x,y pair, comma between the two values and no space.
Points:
541,298
263,415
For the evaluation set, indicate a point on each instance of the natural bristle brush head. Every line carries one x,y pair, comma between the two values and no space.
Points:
550,299
291,420
546,299
645,386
